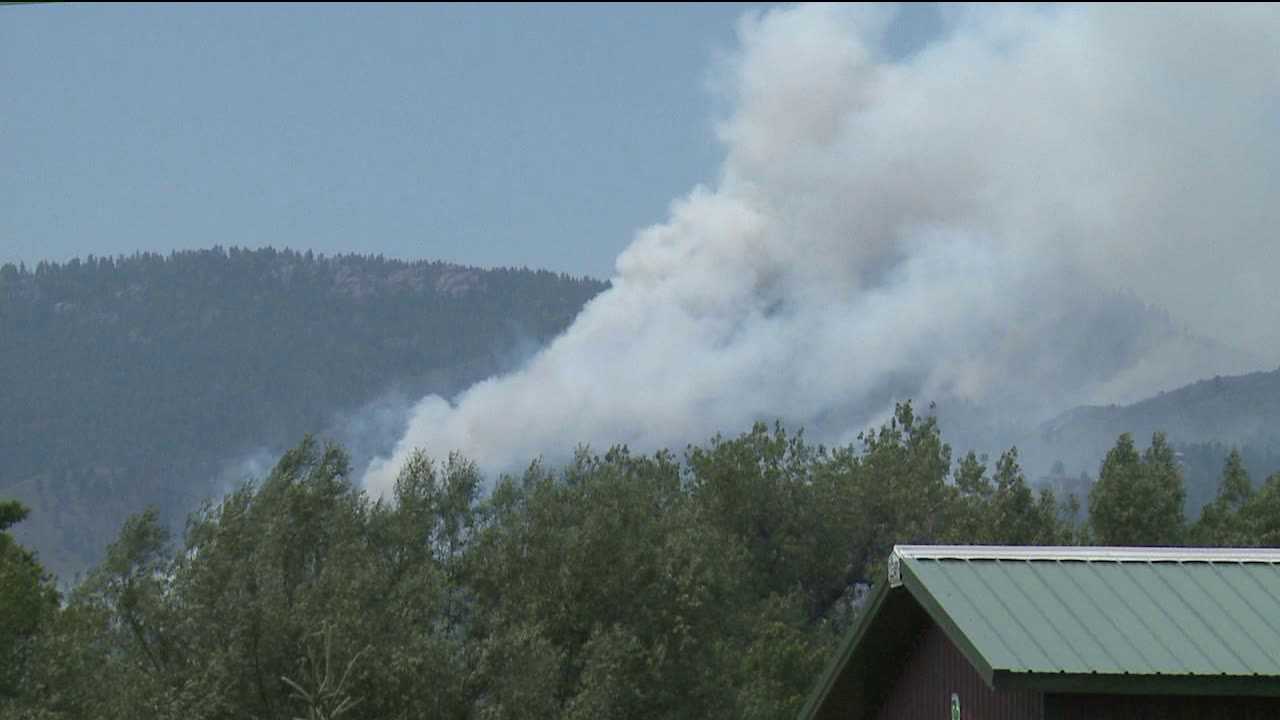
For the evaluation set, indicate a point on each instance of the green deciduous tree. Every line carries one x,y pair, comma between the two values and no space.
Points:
27,601
618,585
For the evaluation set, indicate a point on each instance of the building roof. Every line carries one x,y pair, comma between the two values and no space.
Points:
1102,619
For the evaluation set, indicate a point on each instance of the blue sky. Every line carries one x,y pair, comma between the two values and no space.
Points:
512,135
488,135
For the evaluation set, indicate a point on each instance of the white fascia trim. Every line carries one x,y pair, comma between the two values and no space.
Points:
1088,554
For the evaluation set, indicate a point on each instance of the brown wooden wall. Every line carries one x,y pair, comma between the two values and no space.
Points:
934,671
1160,707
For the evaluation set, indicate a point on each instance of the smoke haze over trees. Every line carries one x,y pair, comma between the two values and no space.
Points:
1042,208
212,361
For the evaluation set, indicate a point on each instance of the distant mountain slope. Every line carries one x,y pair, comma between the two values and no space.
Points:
1204,419
134,381
1240,409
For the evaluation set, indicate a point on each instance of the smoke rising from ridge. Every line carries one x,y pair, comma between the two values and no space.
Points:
988,223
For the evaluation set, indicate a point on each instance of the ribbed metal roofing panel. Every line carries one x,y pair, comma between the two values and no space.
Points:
1111,611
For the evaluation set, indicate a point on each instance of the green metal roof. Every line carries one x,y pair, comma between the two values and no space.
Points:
1104,610
1185,620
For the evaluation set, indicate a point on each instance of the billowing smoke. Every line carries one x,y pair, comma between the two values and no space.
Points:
1040,208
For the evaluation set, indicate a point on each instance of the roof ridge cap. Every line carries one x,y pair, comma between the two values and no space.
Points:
1087,553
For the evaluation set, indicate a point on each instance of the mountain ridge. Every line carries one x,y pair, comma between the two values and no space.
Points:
140,380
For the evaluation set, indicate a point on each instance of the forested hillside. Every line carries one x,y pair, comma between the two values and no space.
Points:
134,381
1203,421
1241,408
707,583
702,585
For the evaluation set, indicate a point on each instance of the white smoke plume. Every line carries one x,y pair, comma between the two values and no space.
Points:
990,223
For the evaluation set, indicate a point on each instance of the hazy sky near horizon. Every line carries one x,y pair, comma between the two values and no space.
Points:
509,135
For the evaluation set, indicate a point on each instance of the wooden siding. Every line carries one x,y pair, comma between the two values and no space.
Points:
934,671
1160,707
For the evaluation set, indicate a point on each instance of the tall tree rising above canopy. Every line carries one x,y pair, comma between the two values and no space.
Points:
1138,500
